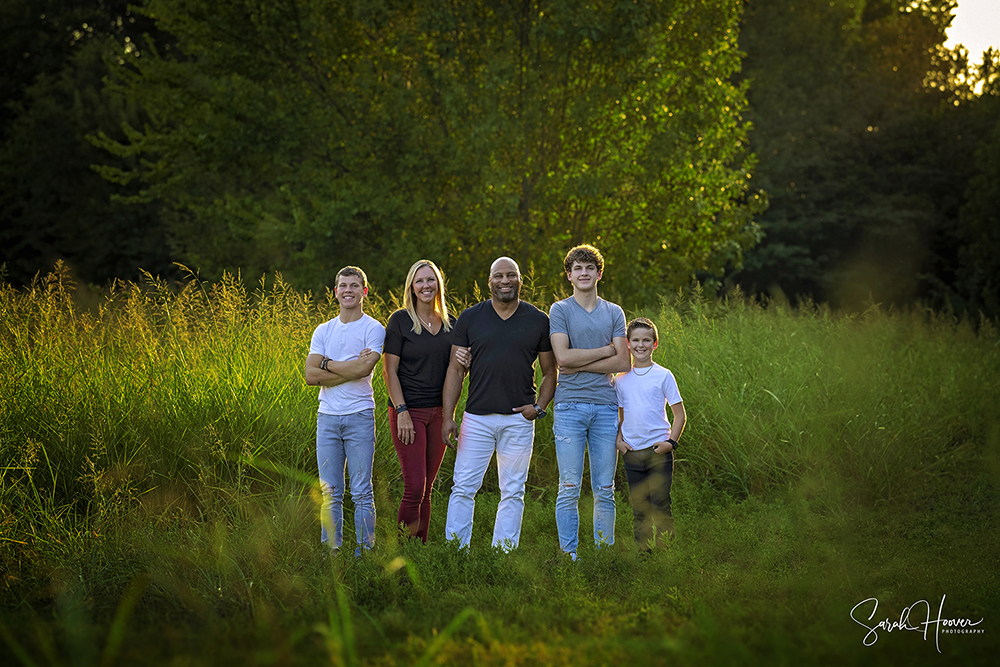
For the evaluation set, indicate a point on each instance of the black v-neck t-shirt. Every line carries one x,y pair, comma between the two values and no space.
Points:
502,376
423,359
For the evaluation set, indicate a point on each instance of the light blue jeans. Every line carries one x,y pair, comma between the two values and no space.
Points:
576,427
512,437
346,441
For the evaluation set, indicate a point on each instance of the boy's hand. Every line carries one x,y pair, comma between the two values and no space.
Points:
662,447
623,446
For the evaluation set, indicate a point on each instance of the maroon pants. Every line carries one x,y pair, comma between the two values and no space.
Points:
420,461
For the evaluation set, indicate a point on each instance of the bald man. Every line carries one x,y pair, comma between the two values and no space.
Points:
506,336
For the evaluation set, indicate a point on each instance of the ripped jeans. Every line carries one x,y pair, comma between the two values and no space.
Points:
577,427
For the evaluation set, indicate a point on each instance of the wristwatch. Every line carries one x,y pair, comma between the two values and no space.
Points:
673,444
400,408
323,364
539,413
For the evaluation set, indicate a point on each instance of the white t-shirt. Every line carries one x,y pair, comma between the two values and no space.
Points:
644,397
343,342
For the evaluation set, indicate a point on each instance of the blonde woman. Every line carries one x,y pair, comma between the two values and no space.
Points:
418,340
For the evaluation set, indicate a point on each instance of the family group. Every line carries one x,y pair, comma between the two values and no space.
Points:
607,395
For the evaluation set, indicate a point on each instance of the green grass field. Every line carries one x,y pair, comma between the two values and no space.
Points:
158,502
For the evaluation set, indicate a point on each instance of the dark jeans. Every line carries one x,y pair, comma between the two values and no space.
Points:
419,461
649,476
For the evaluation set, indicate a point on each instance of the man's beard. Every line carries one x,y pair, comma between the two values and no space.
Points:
514,294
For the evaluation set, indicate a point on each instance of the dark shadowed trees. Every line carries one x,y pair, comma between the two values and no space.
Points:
866,130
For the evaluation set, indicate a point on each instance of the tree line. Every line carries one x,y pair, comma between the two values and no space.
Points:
830,150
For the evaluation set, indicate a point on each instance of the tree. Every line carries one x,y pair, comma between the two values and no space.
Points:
859,125
301,135
52,203
977,284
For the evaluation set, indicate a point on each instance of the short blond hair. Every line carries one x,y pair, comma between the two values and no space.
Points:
351,271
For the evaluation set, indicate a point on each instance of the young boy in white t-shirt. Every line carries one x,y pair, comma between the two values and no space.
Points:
646,439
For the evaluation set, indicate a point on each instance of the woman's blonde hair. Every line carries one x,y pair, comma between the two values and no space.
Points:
440,302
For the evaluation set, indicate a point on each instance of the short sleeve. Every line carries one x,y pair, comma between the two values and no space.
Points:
557,319
545,344
461,329
316,345
394,333
375,337
618,316
670,390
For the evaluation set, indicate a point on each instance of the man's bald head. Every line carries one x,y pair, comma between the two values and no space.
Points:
502,263
505,280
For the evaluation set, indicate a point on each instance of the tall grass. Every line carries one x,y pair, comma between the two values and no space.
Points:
823,403
159,492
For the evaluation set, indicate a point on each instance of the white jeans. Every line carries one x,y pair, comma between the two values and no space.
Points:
512,436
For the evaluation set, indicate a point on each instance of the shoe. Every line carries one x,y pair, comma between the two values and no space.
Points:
572,556
360,549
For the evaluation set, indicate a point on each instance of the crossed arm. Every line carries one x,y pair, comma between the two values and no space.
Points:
613,358
339,372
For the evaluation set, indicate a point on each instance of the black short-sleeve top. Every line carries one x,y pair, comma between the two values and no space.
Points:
502,376
423,359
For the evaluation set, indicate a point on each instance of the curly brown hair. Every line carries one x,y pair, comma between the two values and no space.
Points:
584,254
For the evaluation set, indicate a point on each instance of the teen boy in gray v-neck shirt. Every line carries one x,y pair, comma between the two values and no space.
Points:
588,339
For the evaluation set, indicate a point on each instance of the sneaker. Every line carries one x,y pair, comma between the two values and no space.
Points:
360,549
572,556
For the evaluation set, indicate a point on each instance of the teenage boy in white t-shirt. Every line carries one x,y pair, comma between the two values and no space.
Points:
342,355
646,439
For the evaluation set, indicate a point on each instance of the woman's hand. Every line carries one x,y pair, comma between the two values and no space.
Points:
463,355
404,427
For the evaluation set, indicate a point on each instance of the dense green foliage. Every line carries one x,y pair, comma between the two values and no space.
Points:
299,136
302,136
158,497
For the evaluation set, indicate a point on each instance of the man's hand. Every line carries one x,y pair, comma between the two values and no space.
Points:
528,412
623,446
449,432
